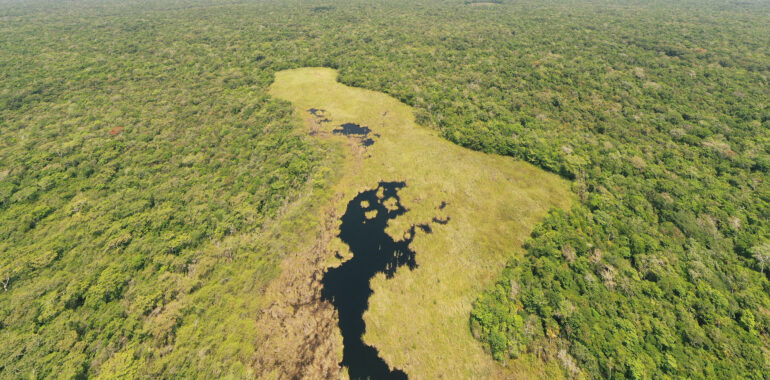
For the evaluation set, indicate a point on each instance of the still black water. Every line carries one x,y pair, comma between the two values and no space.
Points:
347,286
350,129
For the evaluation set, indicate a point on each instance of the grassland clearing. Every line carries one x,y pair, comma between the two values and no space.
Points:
419,319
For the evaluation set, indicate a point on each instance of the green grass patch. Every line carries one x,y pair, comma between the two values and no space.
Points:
419,319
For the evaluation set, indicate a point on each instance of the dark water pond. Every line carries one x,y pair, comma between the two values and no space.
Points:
347,286
347,129
350,129
316,112
355,130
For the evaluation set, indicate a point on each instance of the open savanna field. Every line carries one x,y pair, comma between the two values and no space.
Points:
419,320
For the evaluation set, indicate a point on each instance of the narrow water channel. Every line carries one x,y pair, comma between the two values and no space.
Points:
347,286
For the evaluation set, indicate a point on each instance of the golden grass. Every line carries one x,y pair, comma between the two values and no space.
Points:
419,319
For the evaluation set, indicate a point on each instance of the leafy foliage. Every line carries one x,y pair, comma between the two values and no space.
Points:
133,180
659,113
115,244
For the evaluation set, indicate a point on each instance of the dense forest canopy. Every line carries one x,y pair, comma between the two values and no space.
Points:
140,158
